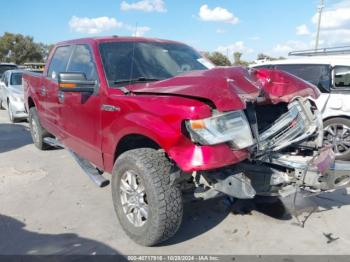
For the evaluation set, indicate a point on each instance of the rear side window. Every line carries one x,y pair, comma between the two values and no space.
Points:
16,79
82,62
319,75
342,77
59,61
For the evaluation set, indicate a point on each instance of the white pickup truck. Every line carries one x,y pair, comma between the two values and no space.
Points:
329,70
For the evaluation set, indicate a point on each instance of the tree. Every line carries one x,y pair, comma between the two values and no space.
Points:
218,59
237,59
20,49
263,56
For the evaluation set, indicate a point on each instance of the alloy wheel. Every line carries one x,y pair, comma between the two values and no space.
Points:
133,198
338,136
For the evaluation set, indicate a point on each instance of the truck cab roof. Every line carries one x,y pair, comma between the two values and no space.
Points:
115,39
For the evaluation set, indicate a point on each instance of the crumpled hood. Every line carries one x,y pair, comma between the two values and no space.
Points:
228,88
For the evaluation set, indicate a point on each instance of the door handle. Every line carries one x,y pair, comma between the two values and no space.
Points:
43,91
60,96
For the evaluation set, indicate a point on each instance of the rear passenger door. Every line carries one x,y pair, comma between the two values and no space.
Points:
80,113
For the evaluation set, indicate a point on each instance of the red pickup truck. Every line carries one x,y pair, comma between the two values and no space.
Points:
167,124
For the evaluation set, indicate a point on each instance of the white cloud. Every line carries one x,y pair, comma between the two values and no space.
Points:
218,14
144,5
291,45
255,38
139,31
335,17
238,46
329,38
220,31
335,24
302,30
93,25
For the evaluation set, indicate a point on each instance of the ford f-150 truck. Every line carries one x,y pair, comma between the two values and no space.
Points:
166,123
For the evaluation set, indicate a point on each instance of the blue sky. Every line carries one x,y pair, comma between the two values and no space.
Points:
250,26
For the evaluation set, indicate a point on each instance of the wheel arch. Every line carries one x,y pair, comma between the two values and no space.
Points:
31,102
134,141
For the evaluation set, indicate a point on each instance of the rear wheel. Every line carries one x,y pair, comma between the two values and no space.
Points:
337,134
37,131
148,206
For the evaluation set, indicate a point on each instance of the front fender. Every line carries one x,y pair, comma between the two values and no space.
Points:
188,156
138,123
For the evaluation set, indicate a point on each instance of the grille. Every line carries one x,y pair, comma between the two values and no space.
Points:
298,123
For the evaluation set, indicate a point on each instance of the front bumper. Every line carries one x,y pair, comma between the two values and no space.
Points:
318,173
282,176
18,109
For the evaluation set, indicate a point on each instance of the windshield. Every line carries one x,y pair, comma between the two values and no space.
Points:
4,68
319,75
152,61
16,79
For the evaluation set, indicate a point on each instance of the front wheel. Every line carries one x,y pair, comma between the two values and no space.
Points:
149,207
337,134
10,112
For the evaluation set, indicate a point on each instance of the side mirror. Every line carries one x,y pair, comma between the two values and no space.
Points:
75,82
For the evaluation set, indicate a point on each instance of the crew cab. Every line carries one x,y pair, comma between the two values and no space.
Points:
168,125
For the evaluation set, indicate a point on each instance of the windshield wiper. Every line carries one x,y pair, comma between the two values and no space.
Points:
135,80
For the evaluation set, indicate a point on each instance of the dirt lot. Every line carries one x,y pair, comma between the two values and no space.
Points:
48,206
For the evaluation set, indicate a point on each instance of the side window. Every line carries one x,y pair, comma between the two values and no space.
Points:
82,62
59,61
319,75
342,76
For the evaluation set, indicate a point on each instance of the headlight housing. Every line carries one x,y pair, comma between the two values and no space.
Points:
230,127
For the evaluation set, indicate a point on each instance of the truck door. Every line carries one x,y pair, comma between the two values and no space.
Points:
80,113
48,91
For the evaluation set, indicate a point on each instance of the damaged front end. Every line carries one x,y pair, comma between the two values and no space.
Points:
287,155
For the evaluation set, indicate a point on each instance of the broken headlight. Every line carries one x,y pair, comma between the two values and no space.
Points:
230,127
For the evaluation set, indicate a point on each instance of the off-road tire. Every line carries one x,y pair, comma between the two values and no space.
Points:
41,132
164,199
339,121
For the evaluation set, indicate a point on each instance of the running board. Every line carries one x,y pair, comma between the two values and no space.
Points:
93,173
53,142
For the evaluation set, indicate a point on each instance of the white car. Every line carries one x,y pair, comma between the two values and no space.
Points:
331,74
12,96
